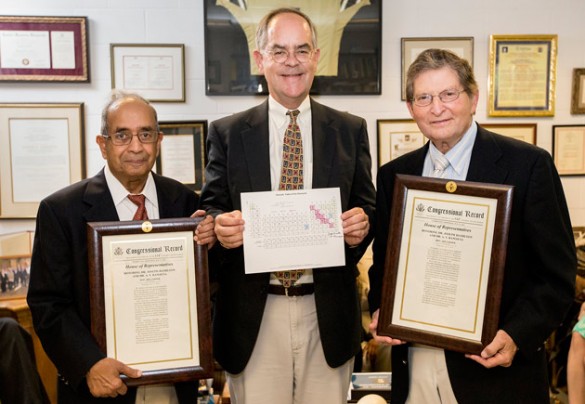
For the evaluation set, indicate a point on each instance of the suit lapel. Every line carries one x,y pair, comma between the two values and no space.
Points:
99,200
324,145
484,157
254,138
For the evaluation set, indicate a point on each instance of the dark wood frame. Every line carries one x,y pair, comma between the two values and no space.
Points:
503,195
95,232
578,93
198,129
227,68
77,25
555,149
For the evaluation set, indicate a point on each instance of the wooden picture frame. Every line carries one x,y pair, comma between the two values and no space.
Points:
397,137
15,254
438,227
522,75
42,150
155,71
578,92
521,131
134,264
350,62
50,49
182,155
568,149
412,47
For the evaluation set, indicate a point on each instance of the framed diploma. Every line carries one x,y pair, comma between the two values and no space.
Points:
149,296
44,49
41,151
182,155
397,137
156,72
412,47
445,262
521,131
568,149
578,95
522,75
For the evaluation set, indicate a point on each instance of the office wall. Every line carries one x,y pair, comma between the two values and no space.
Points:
181,21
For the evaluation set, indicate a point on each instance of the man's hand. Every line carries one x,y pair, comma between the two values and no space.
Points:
205,233
382,340
356,225
500,352
229,229
103,379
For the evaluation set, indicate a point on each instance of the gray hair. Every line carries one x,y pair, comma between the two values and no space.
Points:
434,59
116,97
262,30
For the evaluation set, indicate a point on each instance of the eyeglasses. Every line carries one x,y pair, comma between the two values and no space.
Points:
281,55
125,137
424,100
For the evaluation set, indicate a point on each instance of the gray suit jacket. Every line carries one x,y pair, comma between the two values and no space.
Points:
539,272
239,161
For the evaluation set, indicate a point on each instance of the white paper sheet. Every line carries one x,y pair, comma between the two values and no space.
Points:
292,230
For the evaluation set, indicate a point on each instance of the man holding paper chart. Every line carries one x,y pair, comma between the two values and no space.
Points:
287,335
59,286
540,265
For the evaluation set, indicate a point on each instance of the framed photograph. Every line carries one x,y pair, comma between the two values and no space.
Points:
568,149
520,131
578,94
155,71
445,262
44,49
397,137
182,155
41,151
15,253
350,40
522,75
149,298
412,47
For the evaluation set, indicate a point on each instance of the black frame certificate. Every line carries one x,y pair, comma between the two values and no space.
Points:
149,291
444,262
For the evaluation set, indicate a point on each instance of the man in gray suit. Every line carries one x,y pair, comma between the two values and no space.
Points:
59,286
540,266
281,343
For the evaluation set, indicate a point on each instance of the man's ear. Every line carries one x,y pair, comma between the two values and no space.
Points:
101,142
259,59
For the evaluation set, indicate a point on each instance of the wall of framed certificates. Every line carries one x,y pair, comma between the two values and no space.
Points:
175,32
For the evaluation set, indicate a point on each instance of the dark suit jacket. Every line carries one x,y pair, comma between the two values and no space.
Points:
59,285
539,271
239,161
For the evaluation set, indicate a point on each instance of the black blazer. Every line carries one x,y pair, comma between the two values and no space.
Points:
239,161
539,272
58,293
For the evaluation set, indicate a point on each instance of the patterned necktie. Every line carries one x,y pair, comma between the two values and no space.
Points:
441,163
141,211
291,177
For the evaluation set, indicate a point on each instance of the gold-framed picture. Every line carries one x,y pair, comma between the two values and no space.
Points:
522,75
578,93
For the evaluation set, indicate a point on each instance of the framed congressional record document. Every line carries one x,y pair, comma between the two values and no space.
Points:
149,291
445,262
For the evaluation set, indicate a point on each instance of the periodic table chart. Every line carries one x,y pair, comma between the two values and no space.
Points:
292,229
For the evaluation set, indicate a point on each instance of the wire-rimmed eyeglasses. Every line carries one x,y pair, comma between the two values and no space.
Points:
423,100
303,55
124,137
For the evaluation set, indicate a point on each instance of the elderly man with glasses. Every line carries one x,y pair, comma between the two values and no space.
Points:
59,286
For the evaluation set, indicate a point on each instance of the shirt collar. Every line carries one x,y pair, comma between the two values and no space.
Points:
119,192
278,112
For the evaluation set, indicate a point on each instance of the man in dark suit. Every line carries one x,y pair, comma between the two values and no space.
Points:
58,293
540,263
277,342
